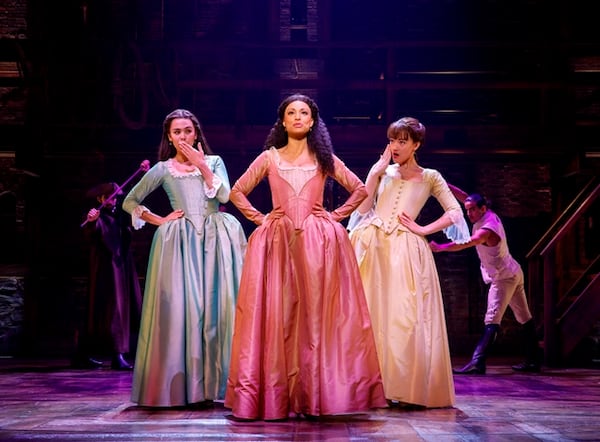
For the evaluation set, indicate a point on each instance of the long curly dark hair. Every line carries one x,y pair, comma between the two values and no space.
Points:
319,141
166,149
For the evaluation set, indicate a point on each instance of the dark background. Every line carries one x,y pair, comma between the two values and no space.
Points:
508,90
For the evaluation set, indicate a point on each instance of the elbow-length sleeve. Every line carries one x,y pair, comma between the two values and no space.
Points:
458,231
246,183
352,184
132,203
221,186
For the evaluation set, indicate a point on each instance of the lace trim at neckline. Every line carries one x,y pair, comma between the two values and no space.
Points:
175,173
291,167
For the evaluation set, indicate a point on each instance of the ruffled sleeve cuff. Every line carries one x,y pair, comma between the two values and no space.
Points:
211,192
458,232
357,218
136,217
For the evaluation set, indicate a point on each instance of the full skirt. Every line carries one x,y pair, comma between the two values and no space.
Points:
405,302
188,310
303,341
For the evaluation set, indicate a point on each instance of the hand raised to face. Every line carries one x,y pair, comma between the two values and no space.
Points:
383,162
195,156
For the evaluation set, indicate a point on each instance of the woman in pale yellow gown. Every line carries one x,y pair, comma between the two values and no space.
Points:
399,273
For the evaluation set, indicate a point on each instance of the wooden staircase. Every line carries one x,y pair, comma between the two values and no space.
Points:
564,281
579,309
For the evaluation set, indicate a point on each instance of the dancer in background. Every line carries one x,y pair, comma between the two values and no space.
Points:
114,294
193,272
505,276
303,342
399,273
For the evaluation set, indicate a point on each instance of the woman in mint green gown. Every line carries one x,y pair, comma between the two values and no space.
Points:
193,275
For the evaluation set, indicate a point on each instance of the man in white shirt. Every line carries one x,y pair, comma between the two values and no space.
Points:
505,276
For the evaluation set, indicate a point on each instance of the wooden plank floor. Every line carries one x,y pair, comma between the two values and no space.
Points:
46,400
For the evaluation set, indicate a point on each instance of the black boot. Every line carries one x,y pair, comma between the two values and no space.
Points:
477,364
532,350
85,362
120,363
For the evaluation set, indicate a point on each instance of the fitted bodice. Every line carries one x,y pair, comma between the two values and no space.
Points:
399,196
186,191
396,195
292,198
297,205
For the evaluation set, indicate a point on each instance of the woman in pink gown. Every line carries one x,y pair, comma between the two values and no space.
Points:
302,340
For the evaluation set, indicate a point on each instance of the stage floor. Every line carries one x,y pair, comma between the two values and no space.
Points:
46,400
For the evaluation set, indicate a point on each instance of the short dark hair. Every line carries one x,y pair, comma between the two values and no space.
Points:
407,127
478,199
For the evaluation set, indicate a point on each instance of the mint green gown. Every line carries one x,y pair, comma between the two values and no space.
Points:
194,268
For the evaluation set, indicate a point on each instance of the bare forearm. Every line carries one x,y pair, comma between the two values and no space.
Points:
453,247
459,194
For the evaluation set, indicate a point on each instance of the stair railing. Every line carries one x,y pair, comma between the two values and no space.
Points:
542,268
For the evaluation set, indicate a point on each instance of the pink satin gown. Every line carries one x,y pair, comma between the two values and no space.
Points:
302,340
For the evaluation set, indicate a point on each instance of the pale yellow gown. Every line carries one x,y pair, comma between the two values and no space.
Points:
403,290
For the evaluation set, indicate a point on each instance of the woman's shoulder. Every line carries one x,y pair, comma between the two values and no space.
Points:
337,161
268,155
213,159
432,174
159,166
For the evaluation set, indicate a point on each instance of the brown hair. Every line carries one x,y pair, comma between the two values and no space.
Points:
407,127
166,149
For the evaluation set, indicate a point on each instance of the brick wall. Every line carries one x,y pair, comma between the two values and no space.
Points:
13,26
520,191
13,18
